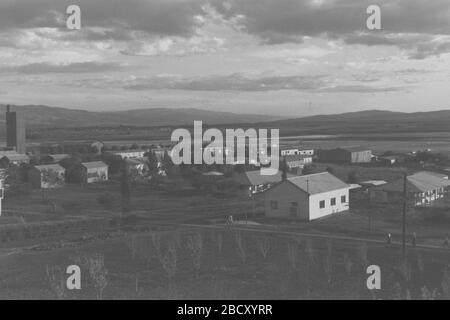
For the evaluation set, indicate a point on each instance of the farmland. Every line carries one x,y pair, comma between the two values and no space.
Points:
224,263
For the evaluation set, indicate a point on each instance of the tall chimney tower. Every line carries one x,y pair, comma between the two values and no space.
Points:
15,131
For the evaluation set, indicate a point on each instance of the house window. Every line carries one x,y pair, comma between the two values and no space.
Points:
343,199
322,204
274,205
333,201
294,204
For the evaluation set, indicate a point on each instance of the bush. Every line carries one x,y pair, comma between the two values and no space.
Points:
106,200
353,177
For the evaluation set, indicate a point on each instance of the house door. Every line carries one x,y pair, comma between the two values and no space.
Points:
293,210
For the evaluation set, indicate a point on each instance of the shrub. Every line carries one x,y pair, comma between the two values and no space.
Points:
106,200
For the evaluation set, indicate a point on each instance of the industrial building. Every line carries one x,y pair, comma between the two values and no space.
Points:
345,155
15,131
307,197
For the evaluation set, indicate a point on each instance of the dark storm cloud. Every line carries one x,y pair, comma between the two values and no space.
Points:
336,17
160,17
408,24
44,68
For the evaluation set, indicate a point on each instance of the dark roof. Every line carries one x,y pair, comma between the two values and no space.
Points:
53,167
59,157
318,183
254,178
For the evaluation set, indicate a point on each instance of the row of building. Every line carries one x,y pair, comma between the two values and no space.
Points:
315,196
53,175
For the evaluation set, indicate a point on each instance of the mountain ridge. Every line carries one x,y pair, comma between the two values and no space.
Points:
46,116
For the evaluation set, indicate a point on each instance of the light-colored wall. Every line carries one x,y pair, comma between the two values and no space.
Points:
286,193
131,154
99,172
315,212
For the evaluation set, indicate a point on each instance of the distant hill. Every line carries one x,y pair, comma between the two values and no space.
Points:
371,121
44,116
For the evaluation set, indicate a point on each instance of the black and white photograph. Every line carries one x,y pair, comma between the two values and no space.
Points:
225,156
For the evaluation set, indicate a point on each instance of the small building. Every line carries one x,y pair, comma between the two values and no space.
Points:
130,154
160,152
47,176
307,197
390,160
346,155
92,172
422,189
256,182
297,161
13,158
290,151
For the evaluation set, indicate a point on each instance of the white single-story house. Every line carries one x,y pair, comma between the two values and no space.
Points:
307,197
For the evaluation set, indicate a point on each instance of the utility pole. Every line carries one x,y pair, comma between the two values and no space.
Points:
2,189
405,194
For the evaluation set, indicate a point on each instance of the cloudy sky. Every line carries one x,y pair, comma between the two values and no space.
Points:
278,57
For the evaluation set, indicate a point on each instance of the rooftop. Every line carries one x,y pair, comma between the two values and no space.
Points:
318,183
94,165
356,149
53,167
417,183
255,178
14,156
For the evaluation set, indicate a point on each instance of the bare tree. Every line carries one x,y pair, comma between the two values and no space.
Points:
57,283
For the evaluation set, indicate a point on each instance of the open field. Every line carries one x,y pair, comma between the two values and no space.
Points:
226,264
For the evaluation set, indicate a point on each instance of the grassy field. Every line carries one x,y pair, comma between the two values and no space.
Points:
83,201
224,264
